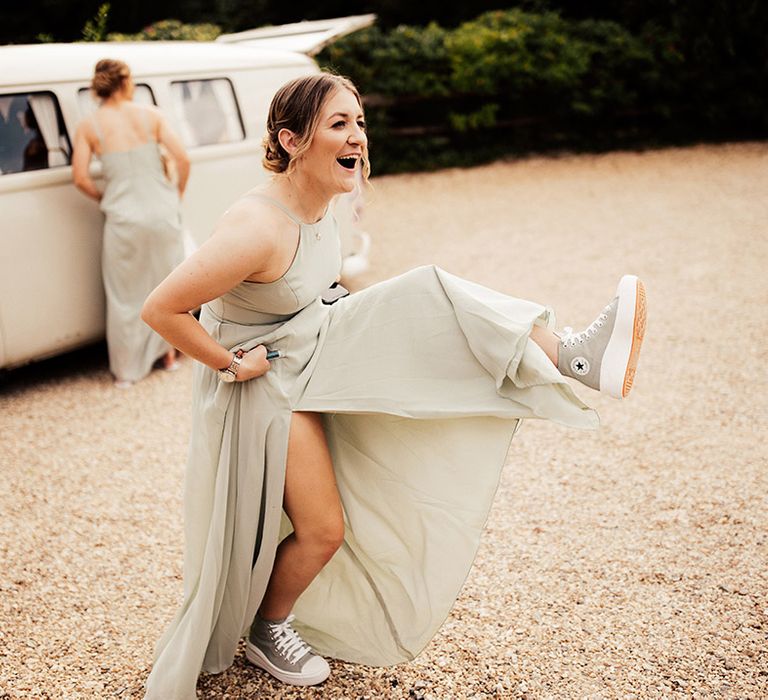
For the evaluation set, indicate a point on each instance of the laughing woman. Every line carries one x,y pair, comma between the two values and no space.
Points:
346,481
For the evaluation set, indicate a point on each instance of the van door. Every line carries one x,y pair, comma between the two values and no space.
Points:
51,297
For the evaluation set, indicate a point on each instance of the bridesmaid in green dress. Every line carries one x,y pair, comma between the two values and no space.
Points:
142,231
344,456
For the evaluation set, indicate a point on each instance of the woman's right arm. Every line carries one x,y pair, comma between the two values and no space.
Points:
169,139
236,250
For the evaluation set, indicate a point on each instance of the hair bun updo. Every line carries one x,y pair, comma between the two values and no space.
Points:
276,158
109,76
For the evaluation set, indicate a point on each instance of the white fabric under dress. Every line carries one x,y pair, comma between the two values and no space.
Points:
423,380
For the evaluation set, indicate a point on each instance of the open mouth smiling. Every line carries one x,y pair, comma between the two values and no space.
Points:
348,162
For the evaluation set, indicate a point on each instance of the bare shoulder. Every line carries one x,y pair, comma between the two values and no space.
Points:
243,244
254,223
151,110
255,215
86,133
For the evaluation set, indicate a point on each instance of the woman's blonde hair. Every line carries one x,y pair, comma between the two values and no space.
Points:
109,76
296,106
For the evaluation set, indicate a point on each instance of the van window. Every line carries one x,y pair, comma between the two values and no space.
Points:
32,133
207,111
88,102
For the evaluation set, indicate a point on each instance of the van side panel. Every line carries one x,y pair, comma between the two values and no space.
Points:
51,295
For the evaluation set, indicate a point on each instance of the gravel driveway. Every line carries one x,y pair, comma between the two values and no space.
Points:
625,563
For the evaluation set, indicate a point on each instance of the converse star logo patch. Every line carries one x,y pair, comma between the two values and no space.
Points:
580,366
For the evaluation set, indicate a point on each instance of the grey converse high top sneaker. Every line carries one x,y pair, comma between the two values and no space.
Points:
277,648
604,355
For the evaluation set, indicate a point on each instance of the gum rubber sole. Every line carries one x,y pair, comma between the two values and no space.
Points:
638,332
618,363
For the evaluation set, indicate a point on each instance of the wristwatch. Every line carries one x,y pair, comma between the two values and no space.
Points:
229,374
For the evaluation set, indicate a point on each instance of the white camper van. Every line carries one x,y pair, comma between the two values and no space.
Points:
215,95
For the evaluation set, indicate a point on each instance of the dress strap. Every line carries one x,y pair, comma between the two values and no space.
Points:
279,205
97,129
147,125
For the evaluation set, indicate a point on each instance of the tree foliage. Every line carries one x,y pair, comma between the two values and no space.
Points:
96,29
171,30
505,80
538,73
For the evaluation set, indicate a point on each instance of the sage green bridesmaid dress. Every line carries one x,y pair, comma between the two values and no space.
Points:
423,380
142,244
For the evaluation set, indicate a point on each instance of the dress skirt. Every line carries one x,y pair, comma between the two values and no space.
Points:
143,243
423,380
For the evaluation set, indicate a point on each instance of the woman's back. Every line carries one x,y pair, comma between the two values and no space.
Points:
123,127
136,185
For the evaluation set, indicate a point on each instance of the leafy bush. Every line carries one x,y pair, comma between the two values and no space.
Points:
171,30
626,72
548,78
514,53
95,29
405,61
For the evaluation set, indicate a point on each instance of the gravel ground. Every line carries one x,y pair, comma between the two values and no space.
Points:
625,563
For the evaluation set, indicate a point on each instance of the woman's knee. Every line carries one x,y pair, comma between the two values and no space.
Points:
324,538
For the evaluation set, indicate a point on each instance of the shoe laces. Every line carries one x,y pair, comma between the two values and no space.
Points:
287,641
569,338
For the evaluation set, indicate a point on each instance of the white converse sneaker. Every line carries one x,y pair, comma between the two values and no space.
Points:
604,355
278,649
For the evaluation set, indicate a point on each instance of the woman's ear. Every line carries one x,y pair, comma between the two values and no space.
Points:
287,140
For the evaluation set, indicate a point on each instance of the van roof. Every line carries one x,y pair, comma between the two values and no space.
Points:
27,64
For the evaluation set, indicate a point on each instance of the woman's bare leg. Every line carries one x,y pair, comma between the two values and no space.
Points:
311,500
547,341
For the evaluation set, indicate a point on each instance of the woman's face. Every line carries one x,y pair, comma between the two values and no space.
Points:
335,153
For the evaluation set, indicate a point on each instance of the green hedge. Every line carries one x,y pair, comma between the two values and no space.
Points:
171,30
510,81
